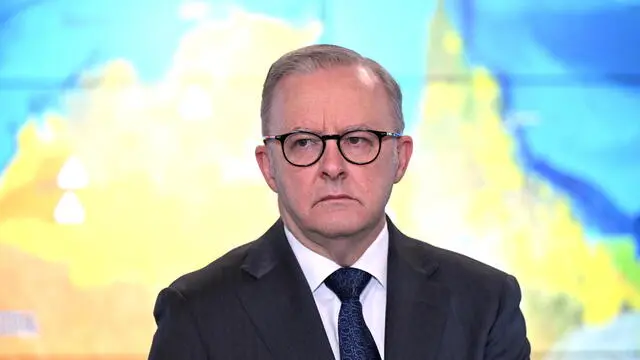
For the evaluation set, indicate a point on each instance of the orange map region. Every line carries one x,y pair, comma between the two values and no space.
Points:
113,319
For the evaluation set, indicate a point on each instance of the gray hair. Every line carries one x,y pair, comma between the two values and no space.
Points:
322,56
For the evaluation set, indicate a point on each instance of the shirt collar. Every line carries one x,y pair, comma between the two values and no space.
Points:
317,268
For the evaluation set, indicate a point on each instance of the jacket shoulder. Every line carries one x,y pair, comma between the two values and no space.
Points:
460,271
218,276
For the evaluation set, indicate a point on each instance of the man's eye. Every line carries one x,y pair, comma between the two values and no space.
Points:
354,140
303,142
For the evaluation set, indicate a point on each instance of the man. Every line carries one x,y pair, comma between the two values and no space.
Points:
333,277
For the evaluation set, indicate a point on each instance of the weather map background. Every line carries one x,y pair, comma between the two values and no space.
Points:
126,153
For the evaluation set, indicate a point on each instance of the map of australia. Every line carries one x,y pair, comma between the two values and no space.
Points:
130,170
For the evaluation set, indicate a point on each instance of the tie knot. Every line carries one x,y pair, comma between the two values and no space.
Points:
347,283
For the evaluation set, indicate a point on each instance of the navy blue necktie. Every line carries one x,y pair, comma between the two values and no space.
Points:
356,342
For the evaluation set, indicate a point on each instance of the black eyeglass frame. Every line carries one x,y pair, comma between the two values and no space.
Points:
282,137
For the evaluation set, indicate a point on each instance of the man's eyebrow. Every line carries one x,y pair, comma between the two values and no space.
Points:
356,127
344,130
302,128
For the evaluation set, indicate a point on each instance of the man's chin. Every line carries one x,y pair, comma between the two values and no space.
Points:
336,223
336,213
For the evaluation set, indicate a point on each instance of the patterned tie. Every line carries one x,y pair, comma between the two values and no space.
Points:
356,342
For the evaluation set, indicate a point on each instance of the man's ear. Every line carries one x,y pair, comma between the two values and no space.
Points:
266,166
404,151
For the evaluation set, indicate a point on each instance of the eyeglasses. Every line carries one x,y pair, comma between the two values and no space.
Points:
303,148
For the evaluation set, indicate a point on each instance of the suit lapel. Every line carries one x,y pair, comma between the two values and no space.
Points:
277,297
416,306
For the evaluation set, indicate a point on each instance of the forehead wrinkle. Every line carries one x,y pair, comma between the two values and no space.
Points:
324,118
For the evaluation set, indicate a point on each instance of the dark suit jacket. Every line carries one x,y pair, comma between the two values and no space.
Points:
254,303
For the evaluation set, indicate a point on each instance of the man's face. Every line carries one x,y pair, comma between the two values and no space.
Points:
324,102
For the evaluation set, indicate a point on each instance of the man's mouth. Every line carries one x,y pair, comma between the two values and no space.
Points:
335,197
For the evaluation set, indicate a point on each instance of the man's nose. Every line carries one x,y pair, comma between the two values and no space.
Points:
332,163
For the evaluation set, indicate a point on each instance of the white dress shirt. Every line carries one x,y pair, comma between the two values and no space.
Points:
317,268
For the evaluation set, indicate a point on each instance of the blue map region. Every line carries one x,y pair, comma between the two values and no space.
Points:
574,64
582,85
45,45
